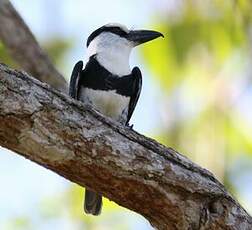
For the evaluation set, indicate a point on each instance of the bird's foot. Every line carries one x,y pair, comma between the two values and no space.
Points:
129,126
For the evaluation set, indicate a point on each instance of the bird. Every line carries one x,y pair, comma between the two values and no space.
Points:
107,82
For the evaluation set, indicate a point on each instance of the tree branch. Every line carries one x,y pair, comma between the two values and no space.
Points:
136,172
24,48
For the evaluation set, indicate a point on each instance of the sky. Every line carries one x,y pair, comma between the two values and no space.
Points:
25,182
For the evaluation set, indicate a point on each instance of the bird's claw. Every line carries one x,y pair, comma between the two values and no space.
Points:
130,126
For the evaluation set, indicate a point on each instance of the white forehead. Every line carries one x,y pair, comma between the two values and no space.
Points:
123,27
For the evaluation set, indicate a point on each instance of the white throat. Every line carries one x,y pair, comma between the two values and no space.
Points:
112,52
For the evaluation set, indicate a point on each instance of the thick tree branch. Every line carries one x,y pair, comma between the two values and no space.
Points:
76,142
24,48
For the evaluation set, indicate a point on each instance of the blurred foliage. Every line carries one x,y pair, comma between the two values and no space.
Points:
212,28
57,49
203,69
18,223
5,57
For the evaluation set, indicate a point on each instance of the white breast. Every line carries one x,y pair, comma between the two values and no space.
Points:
108,103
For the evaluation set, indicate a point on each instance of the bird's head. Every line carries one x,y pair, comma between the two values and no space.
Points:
113,43
117,35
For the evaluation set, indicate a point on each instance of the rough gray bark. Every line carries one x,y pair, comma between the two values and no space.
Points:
136,172
24,48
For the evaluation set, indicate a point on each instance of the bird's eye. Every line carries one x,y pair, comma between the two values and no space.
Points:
118,31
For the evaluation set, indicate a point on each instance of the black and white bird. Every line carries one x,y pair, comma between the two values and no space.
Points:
107,82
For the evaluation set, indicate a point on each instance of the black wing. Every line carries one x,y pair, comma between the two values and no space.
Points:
137,86
75,79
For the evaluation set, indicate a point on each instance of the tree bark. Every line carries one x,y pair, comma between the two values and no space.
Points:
24,48
136,172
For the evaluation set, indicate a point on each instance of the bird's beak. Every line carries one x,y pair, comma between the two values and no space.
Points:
141,36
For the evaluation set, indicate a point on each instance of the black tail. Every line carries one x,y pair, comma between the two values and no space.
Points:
92,203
